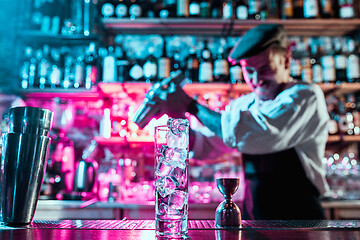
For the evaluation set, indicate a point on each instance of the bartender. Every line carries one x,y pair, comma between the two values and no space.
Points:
280,128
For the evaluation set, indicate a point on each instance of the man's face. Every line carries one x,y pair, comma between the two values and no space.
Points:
265,72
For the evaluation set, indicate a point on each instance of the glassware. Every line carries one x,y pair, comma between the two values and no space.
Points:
171,178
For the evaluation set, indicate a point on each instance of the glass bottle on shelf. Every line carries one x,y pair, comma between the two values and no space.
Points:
25,69
311,9
206,65
228,9
164,63
194,8
241,10
346,8
135,9
340,60
221,67
298,8
150,67
136,72
79,72
235,73
109,73
169,9
55,75
287,9
44,67
182,8
192,66
107,9
315,62
215,9
254,9
327,9
121,9
352,62
122,64
204,9
306,70
295,63
273,9
91,67
176,63
67,81
327,61
333,126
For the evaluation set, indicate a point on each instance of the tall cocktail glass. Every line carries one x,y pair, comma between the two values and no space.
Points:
171,178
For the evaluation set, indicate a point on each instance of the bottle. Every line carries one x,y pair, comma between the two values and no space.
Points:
221,67
36,15
333,125
298,8
25,68
204,9
306,71
122,64
44,67
135,10
194,8
327,61
273,9
228,9
206,66
192,66
287,9
254,9
352,62
235,73
295,63
91,68
150,67
67,82
182,8
216,9
164,63
121,9
136,72
55,69
340,60
176,63
264,9
109,74
315,62
79,72
169,9
241,10
105,124
107,9
327,10
311,9
346,9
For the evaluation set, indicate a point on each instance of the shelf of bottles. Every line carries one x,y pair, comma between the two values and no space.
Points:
303,27
310,17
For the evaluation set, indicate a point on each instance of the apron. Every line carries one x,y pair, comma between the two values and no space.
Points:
277,188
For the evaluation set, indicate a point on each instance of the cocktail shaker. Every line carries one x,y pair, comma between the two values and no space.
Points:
149,107
24,151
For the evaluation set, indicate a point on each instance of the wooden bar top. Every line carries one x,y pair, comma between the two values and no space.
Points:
198,229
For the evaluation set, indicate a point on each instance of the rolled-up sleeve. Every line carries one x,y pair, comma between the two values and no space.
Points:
293,117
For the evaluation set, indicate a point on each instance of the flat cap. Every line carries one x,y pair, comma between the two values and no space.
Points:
257,40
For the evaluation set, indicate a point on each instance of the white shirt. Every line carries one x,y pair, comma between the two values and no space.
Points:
296,118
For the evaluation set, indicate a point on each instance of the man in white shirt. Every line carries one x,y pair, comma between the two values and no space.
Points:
280,129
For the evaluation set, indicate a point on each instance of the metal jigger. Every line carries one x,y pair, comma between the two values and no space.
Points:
227,213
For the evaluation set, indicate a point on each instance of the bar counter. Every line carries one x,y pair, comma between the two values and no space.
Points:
198,229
